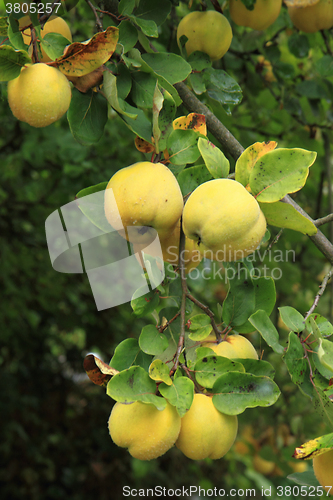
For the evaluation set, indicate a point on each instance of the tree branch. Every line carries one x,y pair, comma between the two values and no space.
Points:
235,149
320,293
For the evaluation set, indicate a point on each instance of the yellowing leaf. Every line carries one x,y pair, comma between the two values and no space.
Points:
143,146
248,159
80,59
193,121
98,371
314,447
86,82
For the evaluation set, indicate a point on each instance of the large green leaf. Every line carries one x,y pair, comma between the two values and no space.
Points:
215,161
209,368
240,301
222,88
281,214
192,177
134,384
87,116
180,394
151,341
292,318
235,391
128,353
11,62
169,66
294,358
182,147
261,322
264,298
93,206
164,110
280,172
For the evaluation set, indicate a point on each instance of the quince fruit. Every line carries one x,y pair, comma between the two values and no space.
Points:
146,431
224,219
264,13
313,17
205,432
143,199
208,32
40,95
235,346
55,24
170,250
323,469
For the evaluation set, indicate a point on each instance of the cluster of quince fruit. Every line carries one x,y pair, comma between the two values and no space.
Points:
203,432
221,220
41,94
210,31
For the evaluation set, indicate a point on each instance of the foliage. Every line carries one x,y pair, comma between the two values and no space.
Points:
55,441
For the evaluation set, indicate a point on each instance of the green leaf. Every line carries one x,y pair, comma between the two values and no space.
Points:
164,110
128,353
199,61
298,45
54,45
209,368
192,177
264,298
171,67
292,318
160,372
180,394
312,89
235,391
148,27
14,34
134,384
215,161
257,367
152,10
87,116
93,206
128,35
222,88
126,7
261,322
282,214
151,341
325,66
294,358
317,321
249,158
198,321
11,62
145,304
3,26
143,89
240,301
325,354
111,93
182,146
279,172
201,333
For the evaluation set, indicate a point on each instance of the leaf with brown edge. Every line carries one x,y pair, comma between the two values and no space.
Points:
249,158
98,371
81,58
143,146
86,82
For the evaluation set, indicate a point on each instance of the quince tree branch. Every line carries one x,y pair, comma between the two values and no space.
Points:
235,149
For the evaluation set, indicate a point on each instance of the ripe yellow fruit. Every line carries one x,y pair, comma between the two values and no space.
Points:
235,346
313,17
146,431
323,469
40,95
142,196
264,14
224,219
205,432
208,32
170,250
53,25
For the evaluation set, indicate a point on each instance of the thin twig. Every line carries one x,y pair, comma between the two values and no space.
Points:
98,20
168,323
320,293
323,220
